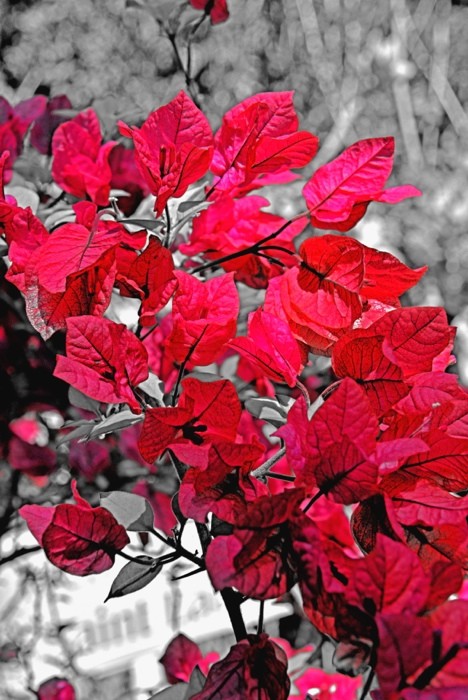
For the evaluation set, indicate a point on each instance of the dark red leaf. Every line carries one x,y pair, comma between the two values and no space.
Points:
254,669
104,360
451,619
392,577
56,689
78,539
405,646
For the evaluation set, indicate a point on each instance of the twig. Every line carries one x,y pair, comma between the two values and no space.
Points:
184,364
20,553
264,468
254,248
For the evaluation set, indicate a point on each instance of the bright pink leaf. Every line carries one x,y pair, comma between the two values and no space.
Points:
271,346
259,136
80,163
173,148
339,192
204,318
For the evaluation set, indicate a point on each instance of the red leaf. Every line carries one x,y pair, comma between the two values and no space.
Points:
445,462
339,192
340,439
255,560
173,148
74,247
204,318
254,669
392,577
206,411
259,136
104,360
80,164
149,277
417,501
415,337
452,620
89,458
271,347
359,354
78,539
405,646
34,460
429,388
387,278
88,291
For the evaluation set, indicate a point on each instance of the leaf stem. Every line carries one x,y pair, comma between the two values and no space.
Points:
184,364
428,674
180,550
313,500
304,392
367,684
153,328
167,236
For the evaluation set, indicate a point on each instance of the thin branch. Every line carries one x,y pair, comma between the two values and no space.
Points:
313,500
264,468
20,553
252,249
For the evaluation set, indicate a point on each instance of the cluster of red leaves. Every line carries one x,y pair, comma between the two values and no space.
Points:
387,439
